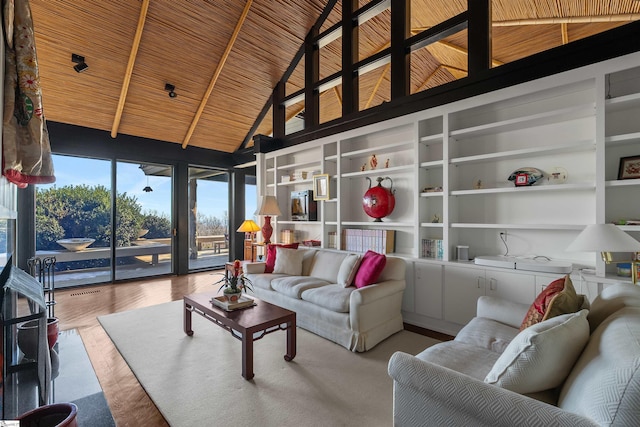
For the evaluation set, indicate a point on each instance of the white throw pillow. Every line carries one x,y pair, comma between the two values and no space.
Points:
348,270
541,356
288,261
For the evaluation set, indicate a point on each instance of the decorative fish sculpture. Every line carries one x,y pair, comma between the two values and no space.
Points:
525,176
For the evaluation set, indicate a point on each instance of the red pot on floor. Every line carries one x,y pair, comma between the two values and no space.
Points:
54,415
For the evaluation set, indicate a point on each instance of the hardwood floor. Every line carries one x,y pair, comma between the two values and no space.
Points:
79,308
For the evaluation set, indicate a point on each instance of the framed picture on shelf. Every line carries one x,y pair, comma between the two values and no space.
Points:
321,187
629,167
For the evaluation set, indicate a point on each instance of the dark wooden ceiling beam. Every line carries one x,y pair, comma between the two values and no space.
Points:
400,59
311,76
479,36
350,42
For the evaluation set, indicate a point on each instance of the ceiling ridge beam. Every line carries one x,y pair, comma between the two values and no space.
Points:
216,74
132,60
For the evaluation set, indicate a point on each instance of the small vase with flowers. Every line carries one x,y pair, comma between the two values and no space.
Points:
235,283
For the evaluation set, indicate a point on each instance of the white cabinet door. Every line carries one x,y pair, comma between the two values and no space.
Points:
515,287
428,289
462,288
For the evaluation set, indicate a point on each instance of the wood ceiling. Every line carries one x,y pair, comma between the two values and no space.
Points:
225,57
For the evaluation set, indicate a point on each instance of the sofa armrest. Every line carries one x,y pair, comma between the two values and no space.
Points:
375,304
502,310
254,267
428,394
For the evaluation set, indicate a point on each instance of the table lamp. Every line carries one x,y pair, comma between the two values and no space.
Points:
606,238
249,228
268,208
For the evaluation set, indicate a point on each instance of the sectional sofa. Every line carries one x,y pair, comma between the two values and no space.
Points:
318,284
576,369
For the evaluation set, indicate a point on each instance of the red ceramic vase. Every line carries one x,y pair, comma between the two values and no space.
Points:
378,202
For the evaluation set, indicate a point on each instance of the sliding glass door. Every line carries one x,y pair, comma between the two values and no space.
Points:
208,218
143,223
76,225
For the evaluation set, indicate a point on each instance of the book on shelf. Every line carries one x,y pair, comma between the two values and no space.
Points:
222,302
432,248
362,240
333,241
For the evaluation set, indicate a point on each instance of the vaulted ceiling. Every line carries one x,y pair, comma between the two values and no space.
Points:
225,57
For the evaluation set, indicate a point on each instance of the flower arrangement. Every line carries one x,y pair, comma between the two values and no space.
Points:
235,284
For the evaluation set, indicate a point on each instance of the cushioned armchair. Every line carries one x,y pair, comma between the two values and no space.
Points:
467,382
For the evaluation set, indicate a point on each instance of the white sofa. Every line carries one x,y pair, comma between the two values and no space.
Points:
445,384
357,319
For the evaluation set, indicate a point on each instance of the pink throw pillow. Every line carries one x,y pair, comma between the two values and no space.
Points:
271,255
370,268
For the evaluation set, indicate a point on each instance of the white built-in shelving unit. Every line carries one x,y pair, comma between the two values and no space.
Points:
449,166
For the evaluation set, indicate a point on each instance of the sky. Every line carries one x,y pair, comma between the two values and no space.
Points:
212,197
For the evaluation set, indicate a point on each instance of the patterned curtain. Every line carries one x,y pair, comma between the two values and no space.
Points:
26,153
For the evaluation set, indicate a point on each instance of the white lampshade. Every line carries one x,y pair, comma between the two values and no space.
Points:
269,206
604,238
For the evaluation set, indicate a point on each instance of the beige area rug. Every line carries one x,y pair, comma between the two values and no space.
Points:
196,381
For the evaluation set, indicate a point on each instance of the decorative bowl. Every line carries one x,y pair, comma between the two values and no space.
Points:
142,232
75,244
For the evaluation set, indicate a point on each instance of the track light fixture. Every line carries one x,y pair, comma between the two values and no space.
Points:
79,61
171,89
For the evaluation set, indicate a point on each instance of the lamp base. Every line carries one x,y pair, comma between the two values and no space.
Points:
267,230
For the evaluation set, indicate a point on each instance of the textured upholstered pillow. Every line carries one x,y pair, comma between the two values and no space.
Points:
559,297
370,268
271,255
348,270
541,357
288,261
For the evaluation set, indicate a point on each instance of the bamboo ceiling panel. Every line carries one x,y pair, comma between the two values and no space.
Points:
184,42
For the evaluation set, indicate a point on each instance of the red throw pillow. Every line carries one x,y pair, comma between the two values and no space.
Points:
271,255
558,298
370,268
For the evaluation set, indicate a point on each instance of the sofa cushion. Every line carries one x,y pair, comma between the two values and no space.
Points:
370,268
271,255
333,297
559,297
465,358
541,357
288,261
604,384
326,265
293,286
348,270
263,281
487,333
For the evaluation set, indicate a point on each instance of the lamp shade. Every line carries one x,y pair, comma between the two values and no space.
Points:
604,238
248,226
269,206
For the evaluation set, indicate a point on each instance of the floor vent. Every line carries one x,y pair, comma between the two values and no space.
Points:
85,293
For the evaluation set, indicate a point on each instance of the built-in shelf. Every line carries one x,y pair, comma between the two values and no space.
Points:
294,166
388,148
297,181
623,139
299,222
623,102
383,224
544,118
519,226
527,152
381,171
433,164
431,194
429,139
431,224
533,188
622,183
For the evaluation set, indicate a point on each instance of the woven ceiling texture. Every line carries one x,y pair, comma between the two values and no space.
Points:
225,57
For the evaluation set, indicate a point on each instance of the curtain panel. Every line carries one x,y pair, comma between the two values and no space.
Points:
26,152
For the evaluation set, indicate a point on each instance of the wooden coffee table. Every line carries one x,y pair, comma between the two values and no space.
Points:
246,324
